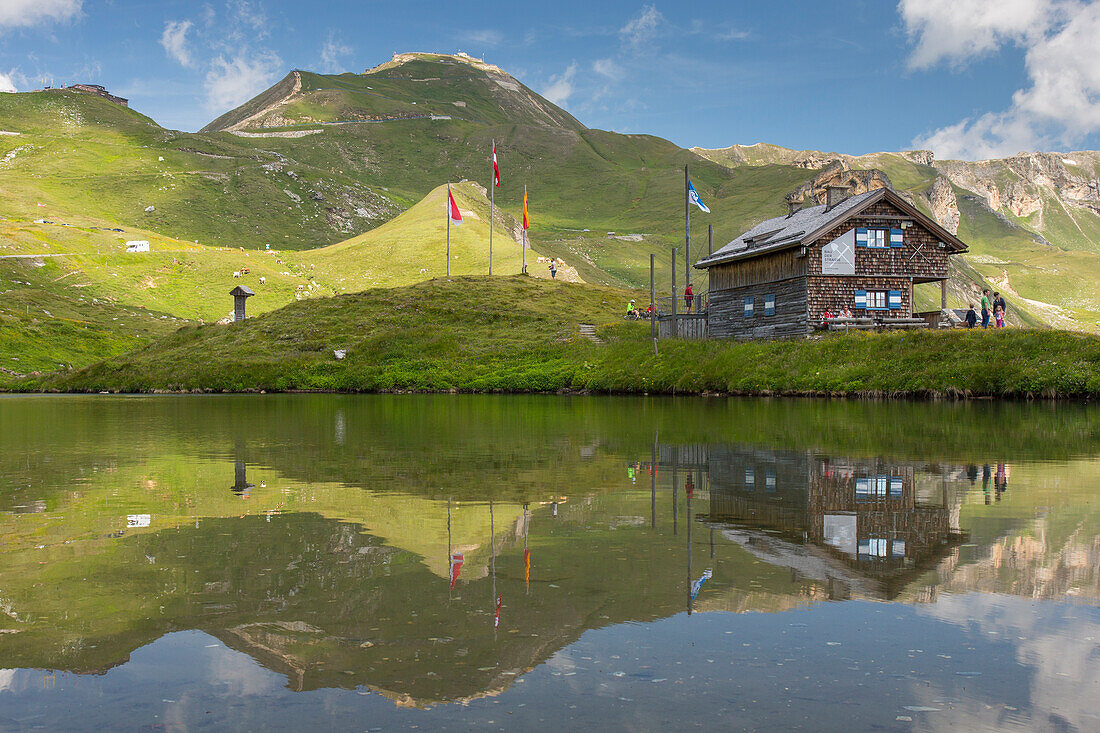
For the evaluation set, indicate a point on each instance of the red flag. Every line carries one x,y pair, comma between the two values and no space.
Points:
456,567
496,168
455,214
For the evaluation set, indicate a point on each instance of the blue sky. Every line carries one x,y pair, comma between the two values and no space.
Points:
969,78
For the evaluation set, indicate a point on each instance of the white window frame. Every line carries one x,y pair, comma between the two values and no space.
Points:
878,238
878,300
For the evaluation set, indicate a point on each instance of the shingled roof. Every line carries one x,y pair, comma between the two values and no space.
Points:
807,225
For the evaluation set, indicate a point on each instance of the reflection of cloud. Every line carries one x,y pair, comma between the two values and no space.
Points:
1058,643
7,677
240,674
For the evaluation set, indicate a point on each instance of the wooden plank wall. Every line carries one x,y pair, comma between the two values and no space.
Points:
765,269
726,314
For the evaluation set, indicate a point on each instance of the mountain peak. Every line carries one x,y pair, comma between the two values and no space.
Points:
458,57
410,86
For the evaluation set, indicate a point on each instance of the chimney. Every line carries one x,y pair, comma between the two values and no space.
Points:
793,207
835,195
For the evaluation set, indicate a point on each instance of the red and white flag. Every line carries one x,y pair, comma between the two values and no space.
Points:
496,168
455,214
42,205
496,616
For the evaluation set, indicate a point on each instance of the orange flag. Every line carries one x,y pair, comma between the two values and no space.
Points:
526,223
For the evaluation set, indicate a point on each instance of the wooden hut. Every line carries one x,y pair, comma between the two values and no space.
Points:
863,253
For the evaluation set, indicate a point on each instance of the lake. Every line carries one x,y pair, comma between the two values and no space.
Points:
506,562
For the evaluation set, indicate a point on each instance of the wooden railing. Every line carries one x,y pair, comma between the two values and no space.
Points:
686,325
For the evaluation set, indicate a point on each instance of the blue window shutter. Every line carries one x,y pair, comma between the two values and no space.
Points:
861,299
748,306
897,238
861,237
893,299
769,305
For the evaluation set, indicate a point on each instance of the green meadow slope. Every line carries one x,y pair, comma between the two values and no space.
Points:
521,334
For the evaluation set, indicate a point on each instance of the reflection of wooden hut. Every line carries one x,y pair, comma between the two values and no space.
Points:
858,517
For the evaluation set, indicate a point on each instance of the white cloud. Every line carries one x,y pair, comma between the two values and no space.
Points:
174,40
607,68
230,82
26,13
7,84
1061,105
642,29
332,53
483,37
560,87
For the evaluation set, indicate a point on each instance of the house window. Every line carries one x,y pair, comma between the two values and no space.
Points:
876,300
769,305
878,238
748,306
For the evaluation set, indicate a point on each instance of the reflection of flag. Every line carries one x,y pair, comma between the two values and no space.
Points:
694,198
526,566
456,567
698,585
526,224
496,616
455,214
496,168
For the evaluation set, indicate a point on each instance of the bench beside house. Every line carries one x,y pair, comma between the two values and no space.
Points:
863,252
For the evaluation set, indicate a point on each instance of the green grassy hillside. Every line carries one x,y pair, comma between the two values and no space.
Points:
521,334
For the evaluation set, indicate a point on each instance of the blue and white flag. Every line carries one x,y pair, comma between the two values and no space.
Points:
694,198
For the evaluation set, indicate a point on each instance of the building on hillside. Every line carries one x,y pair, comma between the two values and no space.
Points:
864,253
137,245
99,91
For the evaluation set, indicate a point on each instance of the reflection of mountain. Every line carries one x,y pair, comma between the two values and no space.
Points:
331,606
334,569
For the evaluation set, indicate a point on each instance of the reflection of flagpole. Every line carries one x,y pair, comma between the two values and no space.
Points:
526,552
493,547
450,557
653,482
690,522
675,480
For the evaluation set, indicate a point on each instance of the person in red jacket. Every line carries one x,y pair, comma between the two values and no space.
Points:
689,296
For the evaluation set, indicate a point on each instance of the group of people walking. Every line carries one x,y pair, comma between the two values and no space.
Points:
992,306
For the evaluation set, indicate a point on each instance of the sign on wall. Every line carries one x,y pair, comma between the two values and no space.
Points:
838,257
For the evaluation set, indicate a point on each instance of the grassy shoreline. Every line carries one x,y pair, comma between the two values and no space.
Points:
521,335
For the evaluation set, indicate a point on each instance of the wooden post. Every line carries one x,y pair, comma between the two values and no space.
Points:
652,298
675,329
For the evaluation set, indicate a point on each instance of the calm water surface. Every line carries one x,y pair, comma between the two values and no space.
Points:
441,562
